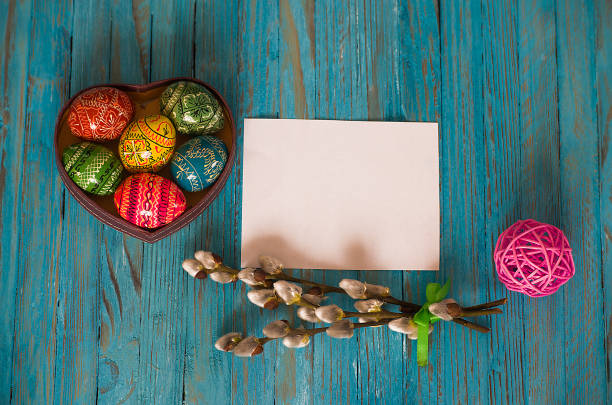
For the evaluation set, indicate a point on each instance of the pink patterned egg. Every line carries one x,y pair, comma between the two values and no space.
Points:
149,200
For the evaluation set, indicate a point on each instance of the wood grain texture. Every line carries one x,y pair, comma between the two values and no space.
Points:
119,353
603,12
580,208
540,187
522,93
38,333
506,383
297,90
15,24
80,266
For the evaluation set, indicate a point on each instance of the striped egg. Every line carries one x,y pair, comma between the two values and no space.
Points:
149,200
92,167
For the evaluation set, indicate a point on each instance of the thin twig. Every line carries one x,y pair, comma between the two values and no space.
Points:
492,311
324,287
375,315
487,305
471,325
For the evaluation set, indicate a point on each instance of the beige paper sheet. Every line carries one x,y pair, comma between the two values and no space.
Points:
358,195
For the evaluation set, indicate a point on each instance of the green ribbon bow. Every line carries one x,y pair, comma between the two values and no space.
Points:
434,293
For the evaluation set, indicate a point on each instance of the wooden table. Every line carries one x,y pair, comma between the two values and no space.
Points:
522,92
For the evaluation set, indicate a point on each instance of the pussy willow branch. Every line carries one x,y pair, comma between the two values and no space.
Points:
324,287
408,308
316,331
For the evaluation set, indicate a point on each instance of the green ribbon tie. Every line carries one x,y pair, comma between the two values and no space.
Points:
434,293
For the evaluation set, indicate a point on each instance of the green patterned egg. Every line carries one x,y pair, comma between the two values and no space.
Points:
92,167
192,108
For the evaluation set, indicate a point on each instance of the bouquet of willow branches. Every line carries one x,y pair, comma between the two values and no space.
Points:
271,286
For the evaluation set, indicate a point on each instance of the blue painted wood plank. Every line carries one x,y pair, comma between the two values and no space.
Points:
501,91
419,83
258,78
580,212
296,99
210,305
420,89
15,23
119,351
164,287
79,264
540,188
341,93
383,357
130,36
35,339
603,65
120,302
463,179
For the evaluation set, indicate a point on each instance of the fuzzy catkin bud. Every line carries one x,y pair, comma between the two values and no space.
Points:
263,298
288,292
296,340
276,329
440,309
270,265
251,277
313,299
329,313
371,305
373,290
227,342
407,327
194,268
354,288
341,329
223,277
248,347
307,314
209,260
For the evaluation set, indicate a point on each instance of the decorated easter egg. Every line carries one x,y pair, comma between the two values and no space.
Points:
149,200
100,114
198,162
192,108
147,144
92,167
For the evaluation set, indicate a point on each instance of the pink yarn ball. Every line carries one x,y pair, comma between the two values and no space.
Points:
533,258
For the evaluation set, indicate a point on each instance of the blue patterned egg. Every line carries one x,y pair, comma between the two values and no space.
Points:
198,162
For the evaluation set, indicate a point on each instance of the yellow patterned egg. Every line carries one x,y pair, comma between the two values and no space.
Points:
146,145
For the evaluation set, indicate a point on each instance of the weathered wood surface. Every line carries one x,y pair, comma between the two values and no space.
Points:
522,91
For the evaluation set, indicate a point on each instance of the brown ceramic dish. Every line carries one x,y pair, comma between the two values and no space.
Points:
146,101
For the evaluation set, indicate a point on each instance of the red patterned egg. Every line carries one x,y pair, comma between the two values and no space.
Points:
149,200
100,114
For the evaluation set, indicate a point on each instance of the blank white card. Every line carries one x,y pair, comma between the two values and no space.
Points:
358,195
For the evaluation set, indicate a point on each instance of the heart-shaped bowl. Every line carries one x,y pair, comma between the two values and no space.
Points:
146,101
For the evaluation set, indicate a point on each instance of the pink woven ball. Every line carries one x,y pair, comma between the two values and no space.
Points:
533,258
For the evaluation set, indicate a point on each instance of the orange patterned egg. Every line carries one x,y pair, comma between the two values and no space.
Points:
147,144
149,200
100,114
